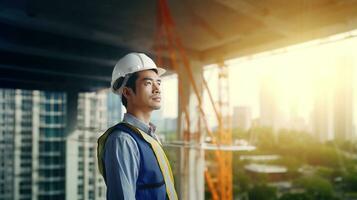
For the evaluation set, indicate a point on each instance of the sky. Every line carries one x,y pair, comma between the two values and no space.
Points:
296,70
169,92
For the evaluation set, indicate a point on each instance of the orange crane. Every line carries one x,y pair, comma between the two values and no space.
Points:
169,43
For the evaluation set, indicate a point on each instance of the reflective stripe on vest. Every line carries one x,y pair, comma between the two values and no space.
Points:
163,162
100,150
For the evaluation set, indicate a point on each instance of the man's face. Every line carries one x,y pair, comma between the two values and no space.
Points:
148,93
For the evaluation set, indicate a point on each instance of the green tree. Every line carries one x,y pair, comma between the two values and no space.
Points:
238,133
264,137
325,172
319,188
292,163
350,182
302,196
323,155
242,181
262,192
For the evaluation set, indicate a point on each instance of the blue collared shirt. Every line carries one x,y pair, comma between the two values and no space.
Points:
122,160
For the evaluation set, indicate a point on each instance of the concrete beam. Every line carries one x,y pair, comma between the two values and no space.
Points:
271,22
33,51
54,73
28,79
240,49
21,19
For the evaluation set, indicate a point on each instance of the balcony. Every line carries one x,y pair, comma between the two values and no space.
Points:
50,192
52,139
50,179
50,153
52,166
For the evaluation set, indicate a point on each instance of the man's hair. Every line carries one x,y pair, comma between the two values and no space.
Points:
130,84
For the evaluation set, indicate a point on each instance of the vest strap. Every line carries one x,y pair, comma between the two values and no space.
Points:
100,149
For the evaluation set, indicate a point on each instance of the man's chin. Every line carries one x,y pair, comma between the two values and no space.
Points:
156,107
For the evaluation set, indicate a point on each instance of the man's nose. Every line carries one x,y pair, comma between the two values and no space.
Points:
157,88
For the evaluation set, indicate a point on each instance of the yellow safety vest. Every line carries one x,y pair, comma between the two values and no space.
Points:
159,154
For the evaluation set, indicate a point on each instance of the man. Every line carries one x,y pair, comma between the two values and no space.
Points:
130,156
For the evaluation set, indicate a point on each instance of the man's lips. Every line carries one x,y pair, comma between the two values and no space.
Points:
156,98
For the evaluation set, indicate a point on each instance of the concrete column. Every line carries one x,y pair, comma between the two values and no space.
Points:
71,145
72,166
35,141
17,146
191,170
71,111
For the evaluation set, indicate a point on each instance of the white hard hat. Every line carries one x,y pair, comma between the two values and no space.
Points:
131,63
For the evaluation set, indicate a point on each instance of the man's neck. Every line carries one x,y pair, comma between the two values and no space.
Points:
142,116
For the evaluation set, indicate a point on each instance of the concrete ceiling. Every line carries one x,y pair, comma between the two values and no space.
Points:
73,45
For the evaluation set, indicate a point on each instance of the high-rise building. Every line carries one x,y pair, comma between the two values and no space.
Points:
354,100
295,120
322,115
114,109
32,133
242,117
269,110
38,159
96,112
7,144
343,105
333,107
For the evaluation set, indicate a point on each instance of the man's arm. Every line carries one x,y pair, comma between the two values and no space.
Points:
122,161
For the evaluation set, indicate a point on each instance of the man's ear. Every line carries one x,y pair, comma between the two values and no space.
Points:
127,92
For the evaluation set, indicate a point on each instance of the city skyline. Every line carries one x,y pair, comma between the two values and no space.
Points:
296,70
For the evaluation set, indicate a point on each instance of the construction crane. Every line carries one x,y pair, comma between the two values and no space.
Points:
218,172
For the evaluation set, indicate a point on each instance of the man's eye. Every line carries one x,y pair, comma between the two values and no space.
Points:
148,83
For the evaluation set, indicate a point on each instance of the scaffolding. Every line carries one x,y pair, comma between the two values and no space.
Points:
218,171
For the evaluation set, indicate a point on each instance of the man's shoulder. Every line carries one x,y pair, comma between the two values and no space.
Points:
122,142
118,133
122,132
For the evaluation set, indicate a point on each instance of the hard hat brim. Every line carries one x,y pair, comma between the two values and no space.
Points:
160,71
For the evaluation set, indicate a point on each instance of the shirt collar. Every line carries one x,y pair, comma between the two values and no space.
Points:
131,119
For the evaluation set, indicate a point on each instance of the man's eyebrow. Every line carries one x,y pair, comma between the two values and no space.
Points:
151,79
